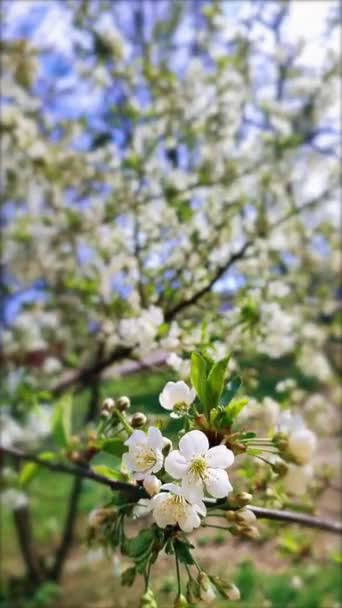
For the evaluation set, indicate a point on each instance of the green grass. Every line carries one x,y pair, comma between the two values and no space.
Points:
303,587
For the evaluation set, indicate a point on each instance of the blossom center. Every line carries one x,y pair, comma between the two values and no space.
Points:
144,458
198,467
178,505
180,408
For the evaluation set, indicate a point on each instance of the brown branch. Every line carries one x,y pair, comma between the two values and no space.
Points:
74,498
85,375
235,257
135,492
22,521
76,470
297,518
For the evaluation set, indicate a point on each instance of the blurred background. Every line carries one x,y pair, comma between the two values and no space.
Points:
170,180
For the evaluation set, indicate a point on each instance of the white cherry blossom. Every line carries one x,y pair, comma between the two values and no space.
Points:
177,397
297,478
144,455
301,441
152,485
200,467
174,507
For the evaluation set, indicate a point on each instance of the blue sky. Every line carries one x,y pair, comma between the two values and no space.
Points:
49,25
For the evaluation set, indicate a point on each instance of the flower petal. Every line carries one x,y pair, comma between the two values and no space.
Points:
155,438
200,507
136,437
220,457
217,483
192,489
194,443
190,520
164,397
172,487
159,461
175,464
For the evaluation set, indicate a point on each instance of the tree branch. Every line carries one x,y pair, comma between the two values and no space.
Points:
74,498
297,518
235,257
135,492
87,374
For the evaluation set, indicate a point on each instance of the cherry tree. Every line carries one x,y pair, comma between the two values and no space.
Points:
193,206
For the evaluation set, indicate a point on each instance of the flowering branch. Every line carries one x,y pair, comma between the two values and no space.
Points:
136,492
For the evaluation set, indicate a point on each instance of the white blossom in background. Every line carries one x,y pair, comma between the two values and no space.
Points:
10,431
298,478
172,506
285,385
177,397
13,499
301,441
179,365
140,332
199,467
144,456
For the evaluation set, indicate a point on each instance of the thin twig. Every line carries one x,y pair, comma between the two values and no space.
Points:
136,492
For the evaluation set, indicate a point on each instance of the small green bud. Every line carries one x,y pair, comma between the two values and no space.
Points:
245,517
207,591
192,591
233,592
123,404
138,420
280,440
230,515
148,600
241,499
280,467
181,602
107,407
251,532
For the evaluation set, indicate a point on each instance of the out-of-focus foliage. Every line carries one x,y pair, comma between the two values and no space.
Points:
202,189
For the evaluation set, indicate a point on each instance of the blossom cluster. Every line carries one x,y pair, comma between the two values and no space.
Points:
199,470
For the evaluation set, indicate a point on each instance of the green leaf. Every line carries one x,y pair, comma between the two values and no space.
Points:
215,381
61,424
199,377
28,472
113,446
232,410
230,391
183,552
138,546
105,471
128,577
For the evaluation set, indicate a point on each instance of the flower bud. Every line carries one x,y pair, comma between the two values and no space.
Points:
280,467
251,532
280,440
152,485
123,404
207,591
245,517
181,602
240,499
139,419
192,591
148,600
107,407
233,593
230,515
